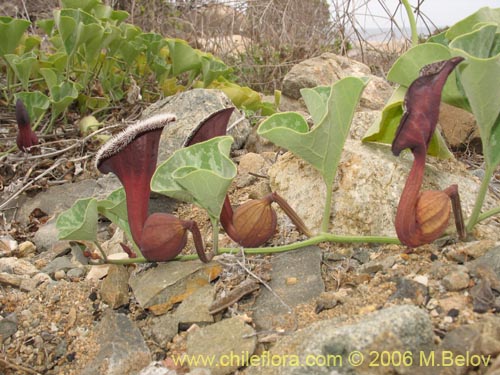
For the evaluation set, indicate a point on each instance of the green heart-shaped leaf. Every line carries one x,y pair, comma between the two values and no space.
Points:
184,57
79,222
12,31
480,78
199,174
36,103
22,66
322,145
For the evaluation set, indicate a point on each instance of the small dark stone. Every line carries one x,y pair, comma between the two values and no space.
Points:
93,296
70,357
143,315
160,356
125,309
433,257
406,288
453,313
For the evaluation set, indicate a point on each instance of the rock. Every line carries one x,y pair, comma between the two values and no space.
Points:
15,266
97,272
162,329
317,71
114,289
367,190
481,340
59,275
269,311
75,274
458,127
191,107
61,197
47,235
395,329
8,326
229,342
455,302
468,251
59,264
456,280
377,265
7,246
329,68
329,300
156,368
410,289
249,163
490,259
161,287
122,350
194,309
25,249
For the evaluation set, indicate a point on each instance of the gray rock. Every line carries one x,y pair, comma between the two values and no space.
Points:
491,260
171,282
304,266
8,326
481,340
191,107
162,329
59,264
114,288
329,68
15,266
59,198
122,349
410,289
456,280
221,341
76,273
194,309
367,189
395,329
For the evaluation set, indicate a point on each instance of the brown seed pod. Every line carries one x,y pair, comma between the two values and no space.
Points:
255,222
433,213
163,237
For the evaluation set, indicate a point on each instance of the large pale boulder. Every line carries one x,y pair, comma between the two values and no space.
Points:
367,189
329,68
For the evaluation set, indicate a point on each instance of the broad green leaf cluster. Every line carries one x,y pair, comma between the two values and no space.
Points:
473,86
91,57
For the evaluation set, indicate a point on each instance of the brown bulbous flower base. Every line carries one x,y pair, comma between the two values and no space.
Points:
255,222
164,236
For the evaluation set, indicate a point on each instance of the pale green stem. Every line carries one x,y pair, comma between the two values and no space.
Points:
215,235
413,23
487,214
103,254
323,237
328,207
483,189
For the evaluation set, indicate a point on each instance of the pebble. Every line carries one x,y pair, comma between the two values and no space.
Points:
59,275
75,274
456,281
25,249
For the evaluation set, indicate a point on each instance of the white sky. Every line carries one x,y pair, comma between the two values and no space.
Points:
440,12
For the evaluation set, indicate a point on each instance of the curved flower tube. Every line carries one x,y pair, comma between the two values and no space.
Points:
421,218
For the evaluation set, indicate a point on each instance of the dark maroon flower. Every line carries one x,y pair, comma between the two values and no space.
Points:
421,218
26,137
